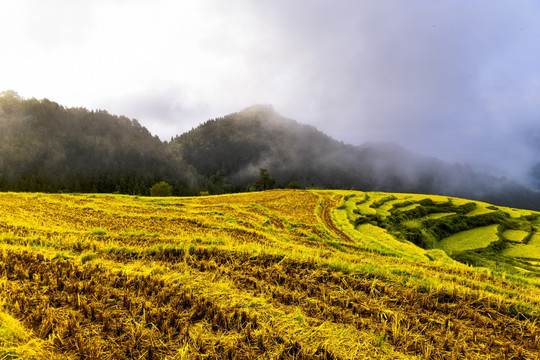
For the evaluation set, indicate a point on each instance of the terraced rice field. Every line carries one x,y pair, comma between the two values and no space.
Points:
272,275
477,238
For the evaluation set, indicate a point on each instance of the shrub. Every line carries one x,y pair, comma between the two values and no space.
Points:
294,185
161,189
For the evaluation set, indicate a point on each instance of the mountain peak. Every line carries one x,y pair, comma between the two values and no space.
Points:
261,112
259,108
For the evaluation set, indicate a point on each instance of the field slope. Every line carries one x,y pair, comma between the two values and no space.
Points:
278,274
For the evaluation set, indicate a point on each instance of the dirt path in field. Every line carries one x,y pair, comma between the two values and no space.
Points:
329,202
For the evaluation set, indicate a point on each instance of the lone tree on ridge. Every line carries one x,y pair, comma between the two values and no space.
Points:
264,182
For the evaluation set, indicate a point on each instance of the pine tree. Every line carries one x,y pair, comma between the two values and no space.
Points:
264,182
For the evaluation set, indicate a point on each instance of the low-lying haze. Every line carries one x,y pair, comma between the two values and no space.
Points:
457,80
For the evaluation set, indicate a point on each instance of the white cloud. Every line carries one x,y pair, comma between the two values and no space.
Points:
451,79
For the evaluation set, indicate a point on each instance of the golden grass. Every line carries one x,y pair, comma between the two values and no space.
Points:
270,275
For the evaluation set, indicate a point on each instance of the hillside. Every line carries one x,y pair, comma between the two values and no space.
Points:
275,274
474,233
237,145
234,147
46,147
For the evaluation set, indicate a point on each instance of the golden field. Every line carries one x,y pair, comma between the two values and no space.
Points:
284,274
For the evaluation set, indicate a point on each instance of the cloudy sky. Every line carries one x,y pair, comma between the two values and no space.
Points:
458,80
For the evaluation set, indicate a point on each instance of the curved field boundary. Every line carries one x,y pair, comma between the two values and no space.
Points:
328,203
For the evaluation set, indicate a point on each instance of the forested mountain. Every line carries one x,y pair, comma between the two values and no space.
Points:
236,146
46,147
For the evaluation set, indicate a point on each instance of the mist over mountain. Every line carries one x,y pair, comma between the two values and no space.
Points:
237,145
47,147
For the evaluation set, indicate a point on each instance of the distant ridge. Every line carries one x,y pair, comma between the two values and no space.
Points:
237,145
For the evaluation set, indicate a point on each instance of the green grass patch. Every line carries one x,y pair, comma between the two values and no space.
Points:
337,246
138,234
60,256
162,203
440,215
480,210
87,257
526,251
217,241
98,232
535,240
515,235
408,207
517,213
478,238
413,224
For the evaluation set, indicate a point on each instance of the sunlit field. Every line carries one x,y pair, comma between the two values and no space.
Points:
477,238
284,274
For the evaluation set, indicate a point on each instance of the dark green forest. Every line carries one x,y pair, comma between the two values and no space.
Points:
45,147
